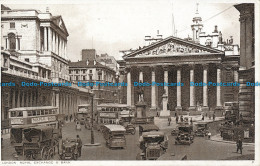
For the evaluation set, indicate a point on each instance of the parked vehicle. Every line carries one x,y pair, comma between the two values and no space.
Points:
130,128
184,139
182,126
153,144
114,136
202,129
69,150
147,128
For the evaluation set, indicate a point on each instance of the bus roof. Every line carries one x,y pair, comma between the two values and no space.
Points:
112,127
33,108
112,105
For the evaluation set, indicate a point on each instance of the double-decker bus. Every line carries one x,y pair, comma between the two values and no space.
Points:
42,115
110,113
25,118
84,113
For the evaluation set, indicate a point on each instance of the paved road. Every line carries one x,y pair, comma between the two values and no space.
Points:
201,149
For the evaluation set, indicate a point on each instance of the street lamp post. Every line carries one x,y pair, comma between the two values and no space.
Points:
92,118
92,140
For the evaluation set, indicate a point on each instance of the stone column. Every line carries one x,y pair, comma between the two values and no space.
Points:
35,98
205,88
65,49
31,98
178,107
45,38
129,97
165,68
16,43
218,96
153,93
13,99
18,97
22,103
49,39
27,99
8,45
53,41
192,90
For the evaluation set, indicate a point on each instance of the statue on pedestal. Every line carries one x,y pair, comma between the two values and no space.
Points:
140,92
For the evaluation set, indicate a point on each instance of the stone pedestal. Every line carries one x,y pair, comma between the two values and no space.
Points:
140,109
165,112
205,109
178,108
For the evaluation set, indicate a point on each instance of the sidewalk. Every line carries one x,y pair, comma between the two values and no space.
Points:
218,138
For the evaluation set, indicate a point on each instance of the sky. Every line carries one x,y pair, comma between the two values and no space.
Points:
112,25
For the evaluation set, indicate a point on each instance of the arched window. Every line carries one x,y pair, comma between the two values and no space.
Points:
12,41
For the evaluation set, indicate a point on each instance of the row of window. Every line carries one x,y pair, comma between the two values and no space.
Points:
83,71
33,113
113,109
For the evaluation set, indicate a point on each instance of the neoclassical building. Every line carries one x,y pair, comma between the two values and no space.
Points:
181,61
34,50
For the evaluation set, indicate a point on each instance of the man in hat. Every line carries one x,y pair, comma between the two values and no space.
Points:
79,145
239,144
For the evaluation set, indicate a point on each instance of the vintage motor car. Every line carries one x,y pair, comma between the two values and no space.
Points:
130,128
153,144
147,128
114,136
182,126
202,129
69,150
184,139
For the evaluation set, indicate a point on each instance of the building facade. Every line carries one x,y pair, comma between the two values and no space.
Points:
179,62
89,70
247,62
33,51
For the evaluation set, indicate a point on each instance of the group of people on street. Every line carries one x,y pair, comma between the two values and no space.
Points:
206,114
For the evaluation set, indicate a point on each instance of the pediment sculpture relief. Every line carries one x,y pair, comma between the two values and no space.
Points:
172,48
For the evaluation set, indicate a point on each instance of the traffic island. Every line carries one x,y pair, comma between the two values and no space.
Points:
90,145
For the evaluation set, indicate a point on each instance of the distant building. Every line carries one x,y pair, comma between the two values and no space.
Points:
107,60
89,70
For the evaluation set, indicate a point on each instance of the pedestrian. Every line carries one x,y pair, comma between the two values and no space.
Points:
169,121
70,118
202,117
206,114
117,121
177,119
191,121
214,116
157,114
209,135
181,118
209,116
239,144
79,146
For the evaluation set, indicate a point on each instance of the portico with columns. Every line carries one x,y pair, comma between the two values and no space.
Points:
177,62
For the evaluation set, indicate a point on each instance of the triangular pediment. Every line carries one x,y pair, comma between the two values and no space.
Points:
172,46
58,21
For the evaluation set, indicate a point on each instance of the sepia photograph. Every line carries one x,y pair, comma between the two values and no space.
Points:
130,81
